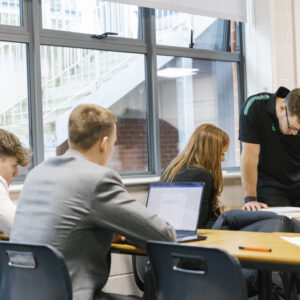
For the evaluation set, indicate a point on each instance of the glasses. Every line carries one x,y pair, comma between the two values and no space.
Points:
287,119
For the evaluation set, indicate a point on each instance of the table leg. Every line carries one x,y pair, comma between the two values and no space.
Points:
264,285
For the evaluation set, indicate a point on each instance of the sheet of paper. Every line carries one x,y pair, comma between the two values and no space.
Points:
288,211
293,240
283,209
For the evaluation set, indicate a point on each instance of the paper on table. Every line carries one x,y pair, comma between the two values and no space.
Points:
294,240
288,211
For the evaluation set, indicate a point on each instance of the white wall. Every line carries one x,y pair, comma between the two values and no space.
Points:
272,45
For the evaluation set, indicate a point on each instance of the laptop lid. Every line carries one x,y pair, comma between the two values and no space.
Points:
177,202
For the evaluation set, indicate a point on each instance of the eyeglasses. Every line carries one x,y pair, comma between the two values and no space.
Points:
287,119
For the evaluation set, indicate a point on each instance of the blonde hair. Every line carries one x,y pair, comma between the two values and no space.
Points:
203,150
88,123
10,145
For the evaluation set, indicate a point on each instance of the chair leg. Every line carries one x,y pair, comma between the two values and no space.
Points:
264,285
137,279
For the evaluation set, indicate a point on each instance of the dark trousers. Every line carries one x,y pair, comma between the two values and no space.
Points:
276,193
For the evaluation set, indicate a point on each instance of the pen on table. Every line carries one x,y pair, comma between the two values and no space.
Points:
255,249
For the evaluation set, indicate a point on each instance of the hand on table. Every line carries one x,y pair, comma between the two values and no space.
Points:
254,205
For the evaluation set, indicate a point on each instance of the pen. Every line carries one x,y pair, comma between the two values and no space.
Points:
255,249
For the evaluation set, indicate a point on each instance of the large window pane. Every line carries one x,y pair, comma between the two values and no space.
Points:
13,91
176,29
91,16
111,79
192,92
10,12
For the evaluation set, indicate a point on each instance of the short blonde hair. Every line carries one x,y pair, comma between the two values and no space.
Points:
10,145
88,123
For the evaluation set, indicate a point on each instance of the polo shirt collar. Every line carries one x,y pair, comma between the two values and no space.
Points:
4,183
282,92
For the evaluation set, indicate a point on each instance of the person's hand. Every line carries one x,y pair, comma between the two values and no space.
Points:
118,238
254,205
223,208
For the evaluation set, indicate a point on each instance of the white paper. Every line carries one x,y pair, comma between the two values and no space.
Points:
294,240
288,211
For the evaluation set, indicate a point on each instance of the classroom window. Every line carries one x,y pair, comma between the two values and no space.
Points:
91,16
66,67
114,80
192,92
176,29
13,91
10,13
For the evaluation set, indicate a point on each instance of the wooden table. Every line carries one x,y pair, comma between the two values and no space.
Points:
283,257
283,253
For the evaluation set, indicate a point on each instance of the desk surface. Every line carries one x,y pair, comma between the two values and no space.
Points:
3,236
282,252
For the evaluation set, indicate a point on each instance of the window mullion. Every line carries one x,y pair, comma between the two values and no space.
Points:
153,119
34,83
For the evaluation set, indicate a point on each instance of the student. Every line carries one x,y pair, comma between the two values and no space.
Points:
12,154
76,204
200,161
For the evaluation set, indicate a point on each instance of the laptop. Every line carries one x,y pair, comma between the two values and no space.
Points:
179,203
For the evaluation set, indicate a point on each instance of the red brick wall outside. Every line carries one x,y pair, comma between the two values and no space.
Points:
168,142
131,148
131,153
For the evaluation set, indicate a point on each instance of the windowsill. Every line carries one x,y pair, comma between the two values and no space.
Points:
15,188
140,181
147,180
231,175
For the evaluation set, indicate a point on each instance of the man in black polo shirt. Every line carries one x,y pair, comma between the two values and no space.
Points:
270,161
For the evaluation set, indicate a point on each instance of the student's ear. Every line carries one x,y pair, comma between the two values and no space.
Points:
103,144
282,107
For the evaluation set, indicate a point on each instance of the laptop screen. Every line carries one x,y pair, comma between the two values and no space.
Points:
178,203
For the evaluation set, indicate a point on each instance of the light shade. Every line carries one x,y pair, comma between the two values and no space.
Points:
224,9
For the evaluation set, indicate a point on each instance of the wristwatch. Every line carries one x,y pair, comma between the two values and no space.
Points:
250,198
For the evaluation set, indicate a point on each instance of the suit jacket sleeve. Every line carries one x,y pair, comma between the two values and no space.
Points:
116,211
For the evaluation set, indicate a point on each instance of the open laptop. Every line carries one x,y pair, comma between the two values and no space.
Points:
179,203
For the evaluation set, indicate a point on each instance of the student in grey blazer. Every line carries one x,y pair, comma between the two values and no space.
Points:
76,204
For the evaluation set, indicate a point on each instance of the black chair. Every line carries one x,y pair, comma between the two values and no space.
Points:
33,272
138,269
37,272
192,272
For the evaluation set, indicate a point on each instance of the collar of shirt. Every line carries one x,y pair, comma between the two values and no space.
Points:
4,183
282,92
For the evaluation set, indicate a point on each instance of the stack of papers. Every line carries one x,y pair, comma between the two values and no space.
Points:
288,211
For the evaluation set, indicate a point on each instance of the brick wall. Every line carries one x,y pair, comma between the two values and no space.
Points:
168,142
131,152
131,148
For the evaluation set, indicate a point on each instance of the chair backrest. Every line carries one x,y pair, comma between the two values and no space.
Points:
33,272
191,272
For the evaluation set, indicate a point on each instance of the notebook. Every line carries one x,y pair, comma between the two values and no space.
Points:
179,204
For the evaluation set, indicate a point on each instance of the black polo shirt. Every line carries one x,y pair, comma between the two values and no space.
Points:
279,153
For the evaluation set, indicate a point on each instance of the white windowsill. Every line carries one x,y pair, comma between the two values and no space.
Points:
15,188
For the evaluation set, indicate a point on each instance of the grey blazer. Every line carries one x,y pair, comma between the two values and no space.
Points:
76,206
